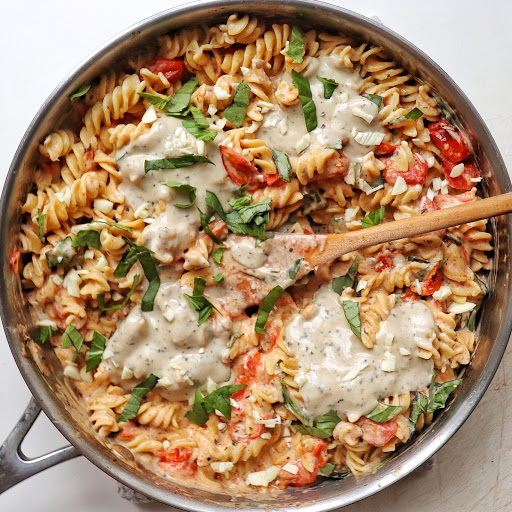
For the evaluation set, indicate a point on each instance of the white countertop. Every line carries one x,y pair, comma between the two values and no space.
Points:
42,41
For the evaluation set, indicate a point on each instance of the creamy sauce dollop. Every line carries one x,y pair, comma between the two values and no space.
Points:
338,372
336,118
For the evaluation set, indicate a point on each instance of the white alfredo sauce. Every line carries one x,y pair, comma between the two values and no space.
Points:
340,373
176,229
168,342
336,118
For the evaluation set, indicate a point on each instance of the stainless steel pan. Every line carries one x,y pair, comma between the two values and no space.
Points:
58,399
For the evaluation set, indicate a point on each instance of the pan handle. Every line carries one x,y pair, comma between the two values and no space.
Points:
15,466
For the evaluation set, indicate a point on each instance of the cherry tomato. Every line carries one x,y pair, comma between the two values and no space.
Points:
180,454
172,69
304,477
14,260
432,282
462,182
416,175
384,261
239,169
384,148
129,430
409,296
271,179
451,142
242,428
377,434
447,200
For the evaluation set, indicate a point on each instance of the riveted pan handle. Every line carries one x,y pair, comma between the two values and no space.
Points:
15,466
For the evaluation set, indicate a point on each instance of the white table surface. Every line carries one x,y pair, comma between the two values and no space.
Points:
41,41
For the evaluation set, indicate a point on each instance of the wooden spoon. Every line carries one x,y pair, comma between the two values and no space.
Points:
333,245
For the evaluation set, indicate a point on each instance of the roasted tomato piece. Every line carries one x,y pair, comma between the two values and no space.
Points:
416,175
409,296
432,282
172,69
384,148
14,260
239,169
180,454
450,141
377,434
463,181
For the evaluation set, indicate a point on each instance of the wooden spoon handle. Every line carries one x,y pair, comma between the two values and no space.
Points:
336,244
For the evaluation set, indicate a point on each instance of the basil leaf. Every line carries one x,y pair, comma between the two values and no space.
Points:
79,92
155,100
373,218
240,202
213,202
348,280
268,304
329,86
175,163
101,297
414,114
455,240
438,394
248,213
306,100
206,228
418,407
235,113
254,228
323,426
63,254
351,310
417,260
40,221
294,408
218,254
46,333
72,337
182,98
217,400
296,46
383,413
482,284
200,303
219,278
139,392
374,98
87,237
292,272
96,351
312,431
284,167
198,126
327,470
472,320
185,187
312,201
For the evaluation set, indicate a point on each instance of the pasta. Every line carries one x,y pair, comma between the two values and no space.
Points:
209,349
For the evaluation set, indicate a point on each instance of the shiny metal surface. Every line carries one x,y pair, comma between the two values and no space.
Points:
61,407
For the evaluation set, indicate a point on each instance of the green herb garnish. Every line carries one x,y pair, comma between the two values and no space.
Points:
414,114
348,280
155,100
328,470
79,92
87,238
219,278
199,302
383,412
306,100
175,163
293,407
46,333
213,202
218,254
351,309
205,221
235,113
40,222
72,337
268,304
292,272
198,125
240,202
374,98
182,187
139,392
322,428
373,218
101,297
329,86
182,98
96,351
63,254
284,167
296,45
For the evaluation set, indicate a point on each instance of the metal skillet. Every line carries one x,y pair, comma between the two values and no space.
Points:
57,399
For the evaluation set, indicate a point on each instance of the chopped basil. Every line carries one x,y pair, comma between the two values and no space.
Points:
374,98
206,228
185,187
329,86
256,225
181,99
218,254
199,302
328,470
418,407
306,100
235,113
472,320
414,114
219,278
213,202
373,218
155,100
283,165
101,222
198,126
175,163
417,260
351,310
240,202
40,221
455,240
217,400
72,337
268,304
249,212
323,426
383,412
312,201
87,238
348,280
296,45
96,351
398,298
292,272
142,254
101,297
139,392
295,408
482,284
46,333
63,254
79,92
